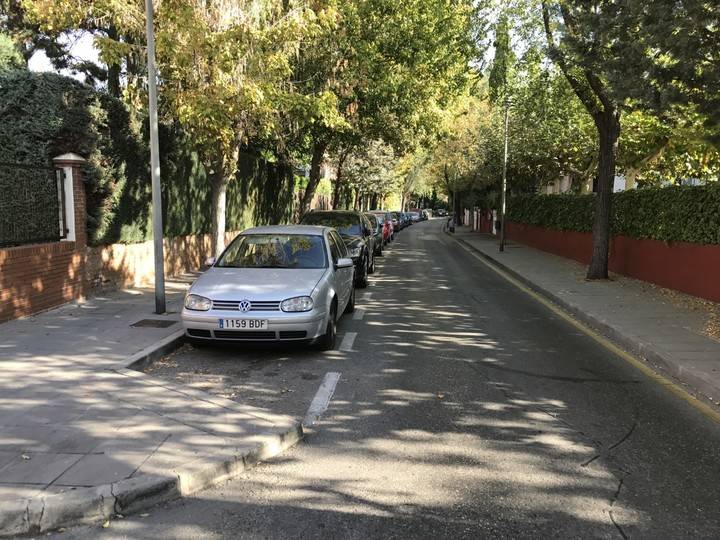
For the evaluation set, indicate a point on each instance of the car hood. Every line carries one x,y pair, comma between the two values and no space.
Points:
269,284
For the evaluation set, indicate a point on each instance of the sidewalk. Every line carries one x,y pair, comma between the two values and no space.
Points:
82,437
678,333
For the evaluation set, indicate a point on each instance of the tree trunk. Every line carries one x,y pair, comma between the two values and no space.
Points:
338,180
113,71
315,164
608,126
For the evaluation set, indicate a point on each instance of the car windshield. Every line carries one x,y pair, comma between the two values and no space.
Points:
346,224
274,251
374,222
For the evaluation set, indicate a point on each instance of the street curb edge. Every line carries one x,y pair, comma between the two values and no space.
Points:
691,382
144,358
102,503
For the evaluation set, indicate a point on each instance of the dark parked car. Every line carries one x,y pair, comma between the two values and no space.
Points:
379,229
440,212
358,235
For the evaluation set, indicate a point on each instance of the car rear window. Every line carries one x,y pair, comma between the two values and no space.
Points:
274,251
346,224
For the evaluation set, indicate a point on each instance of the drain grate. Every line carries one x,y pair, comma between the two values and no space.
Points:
153,323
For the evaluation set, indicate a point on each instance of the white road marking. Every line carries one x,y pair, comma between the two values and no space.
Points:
359,314
322,398
347,342
366,297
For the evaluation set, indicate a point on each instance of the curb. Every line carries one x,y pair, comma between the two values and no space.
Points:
142,359
692,382
101,503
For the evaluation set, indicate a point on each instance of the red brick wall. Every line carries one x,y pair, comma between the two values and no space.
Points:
686,267
37,277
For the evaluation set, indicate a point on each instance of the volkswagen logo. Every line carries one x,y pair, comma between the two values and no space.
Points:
244,306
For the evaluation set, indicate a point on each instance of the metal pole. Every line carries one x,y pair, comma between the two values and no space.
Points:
155,164
504,180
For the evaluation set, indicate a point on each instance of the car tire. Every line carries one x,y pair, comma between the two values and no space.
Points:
379,250
327,341
371,267
362,280
350,307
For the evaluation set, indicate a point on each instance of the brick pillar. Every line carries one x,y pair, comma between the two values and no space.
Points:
75,212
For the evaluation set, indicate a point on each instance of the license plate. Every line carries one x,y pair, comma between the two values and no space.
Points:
242,324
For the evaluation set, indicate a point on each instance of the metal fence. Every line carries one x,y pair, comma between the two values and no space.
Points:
32,204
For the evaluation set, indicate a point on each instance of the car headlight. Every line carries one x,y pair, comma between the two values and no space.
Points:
196,302
354,252
299,303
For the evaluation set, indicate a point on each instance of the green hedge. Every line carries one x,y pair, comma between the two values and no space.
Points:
45,114
670,214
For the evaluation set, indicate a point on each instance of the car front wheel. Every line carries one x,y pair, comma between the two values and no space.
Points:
327,341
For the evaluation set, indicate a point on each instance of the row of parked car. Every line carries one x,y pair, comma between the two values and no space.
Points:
286,283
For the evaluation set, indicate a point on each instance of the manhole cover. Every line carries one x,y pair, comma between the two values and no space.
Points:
153,323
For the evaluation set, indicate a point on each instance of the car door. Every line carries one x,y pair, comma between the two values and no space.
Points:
343,276
368,234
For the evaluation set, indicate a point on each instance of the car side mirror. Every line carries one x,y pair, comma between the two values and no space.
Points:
209,261
344,263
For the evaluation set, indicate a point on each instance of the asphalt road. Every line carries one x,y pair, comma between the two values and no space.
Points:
464,410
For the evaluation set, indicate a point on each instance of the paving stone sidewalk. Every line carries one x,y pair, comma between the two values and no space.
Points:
73,416
676,332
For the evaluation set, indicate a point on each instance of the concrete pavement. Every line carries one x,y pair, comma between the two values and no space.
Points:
83,437
677,333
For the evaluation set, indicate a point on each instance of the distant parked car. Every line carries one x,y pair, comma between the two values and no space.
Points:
396,221
441,212
278,283
387,220
414,216
357,234
379,228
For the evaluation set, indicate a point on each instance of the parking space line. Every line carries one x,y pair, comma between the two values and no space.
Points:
358,314
367,296
322,398
348,341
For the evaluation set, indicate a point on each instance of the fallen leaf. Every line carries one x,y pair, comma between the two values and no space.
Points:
106,524
441,396
25,456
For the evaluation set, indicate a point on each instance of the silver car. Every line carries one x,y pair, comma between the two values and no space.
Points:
277,283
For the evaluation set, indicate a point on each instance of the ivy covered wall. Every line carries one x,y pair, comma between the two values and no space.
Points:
45,115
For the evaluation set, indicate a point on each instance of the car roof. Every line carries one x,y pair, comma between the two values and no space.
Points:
352,212
310,230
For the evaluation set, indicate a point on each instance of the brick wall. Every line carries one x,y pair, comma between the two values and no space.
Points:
132,265
37,277
686,267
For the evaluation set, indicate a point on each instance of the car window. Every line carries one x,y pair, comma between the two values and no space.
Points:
340,244
274,251
346,224
373,221
334,248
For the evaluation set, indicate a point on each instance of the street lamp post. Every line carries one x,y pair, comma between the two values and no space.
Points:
503,195
155,164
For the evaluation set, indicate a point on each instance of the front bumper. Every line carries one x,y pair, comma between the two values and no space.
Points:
281,326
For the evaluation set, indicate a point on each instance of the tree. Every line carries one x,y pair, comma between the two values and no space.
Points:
578,45
676,46
10,57
392,66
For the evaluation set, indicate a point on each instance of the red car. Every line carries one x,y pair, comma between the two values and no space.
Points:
386,219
